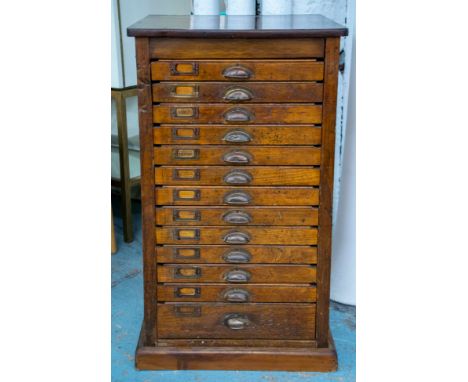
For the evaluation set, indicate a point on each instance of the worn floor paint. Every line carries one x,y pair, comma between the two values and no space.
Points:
127,313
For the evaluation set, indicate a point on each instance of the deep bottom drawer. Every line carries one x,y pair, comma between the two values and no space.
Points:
236,293
253,321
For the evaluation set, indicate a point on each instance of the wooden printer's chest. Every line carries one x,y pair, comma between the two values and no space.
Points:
237,153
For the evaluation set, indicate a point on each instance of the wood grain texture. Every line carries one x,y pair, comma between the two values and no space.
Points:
216,195
268,216
272,92
256,343
215,113
222,292
147,186
216,235
281,274
326,189
237,358
203,254
194,48
289,321
225,155
216,175
254,27
258,135
260,70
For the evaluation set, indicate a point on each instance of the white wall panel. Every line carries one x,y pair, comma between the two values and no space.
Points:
133,10
116,64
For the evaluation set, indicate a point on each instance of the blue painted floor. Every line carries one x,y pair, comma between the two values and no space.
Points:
127,313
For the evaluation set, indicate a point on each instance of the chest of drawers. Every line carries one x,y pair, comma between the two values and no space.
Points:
237,153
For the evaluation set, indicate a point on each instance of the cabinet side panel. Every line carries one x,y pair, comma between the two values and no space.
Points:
147,186
332,46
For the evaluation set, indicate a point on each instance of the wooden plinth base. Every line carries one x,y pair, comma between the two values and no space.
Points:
236,358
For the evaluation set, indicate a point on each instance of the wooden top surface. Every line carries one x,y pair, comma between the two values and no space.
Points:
237,26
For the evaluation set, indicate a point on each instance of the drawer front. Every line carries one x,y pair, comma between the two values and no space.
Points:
236,235
237,114
234,92
194,48
235,294
235,196
226,254
247,175
297,216
253,321
243,135
236,274
233,70
237,155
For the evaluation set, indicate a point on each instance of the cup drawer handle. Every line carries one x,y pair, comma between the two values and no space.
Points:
236,321
237,72
237,256
236,238
237,197
237,276
237,136
236,295
237,95
237,157
238,177
238,114
237,217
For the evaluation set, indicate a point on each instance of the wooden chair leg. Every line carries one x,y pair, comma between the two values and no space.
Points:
113,241
125,187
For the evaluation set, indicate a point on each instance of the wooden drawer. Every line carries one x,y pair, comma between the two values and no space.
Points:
235,92
236,294
236,255
297,216
235,196
194,48
236,274
247,175
244,135
237,155
239,71
233,235
253,321
215,113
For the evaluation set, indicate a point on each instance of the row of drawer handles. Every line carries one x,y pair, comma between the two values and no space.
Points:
237,321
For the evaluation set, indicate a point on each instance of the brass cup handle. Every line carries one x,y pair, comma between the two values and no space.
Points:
236,321
237,95
237,72
237,157
237,217
237,136
237,197
237,276
236,295
237,256
238,114
236,238
238,177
